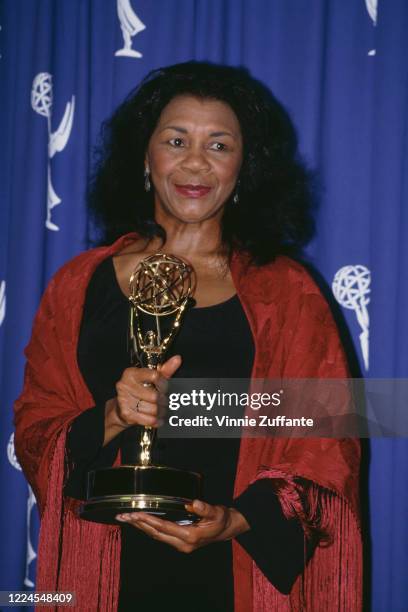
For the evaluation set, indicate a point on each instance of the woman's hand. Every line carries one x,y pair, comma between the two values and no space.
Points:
218,523
141,398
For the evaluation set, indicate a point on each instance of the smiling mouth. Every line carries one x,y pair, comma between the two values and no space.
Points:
193,191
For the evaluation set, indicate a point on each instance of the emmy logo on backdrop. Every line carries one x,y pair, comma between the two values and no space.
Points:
130,25
30,553
11,454
41,102
371,6
351,288
2,301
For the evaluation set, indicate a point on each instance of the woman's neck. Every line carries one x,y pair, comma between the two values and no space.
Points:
191,244
197,240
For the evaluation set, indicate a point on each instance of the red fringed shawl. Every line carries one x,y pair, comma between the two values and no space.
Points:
295,337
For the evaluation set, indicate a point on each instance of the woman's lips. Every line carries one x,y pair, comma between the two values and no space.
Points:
192,191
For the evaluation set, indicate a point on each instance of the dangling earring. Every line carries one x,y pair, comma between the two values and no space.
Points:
147,184
235,199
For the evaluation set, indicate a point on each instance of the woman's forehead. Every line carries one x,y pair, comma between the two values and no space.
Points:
187,109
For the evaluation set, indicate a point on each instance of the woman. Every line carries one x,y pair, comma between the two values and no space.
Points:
202,163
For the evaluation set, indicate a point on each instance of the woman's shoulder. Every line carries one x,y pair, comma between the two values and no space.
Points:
301,283
73,277
82,265
81,262
296,273
289,286
285,275
296,292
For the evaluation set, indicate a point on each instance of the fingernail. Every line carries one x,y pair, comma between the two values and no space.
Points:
122,517
199,505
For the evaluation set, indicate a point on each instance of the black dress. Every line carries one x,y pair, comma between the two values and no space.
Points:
154,575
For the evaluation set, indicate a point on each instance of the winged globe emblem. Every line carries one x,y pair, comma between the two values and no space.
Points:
41,103
351,288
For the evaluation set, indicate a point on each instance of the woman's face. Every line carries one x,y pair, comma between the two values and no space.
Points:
194,157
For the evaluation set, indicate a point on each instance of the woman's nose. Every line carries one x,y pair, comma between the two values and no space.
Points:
196,160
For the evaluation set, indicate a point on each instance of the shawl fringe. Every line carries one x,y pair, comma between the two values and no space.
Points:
338,552
93,577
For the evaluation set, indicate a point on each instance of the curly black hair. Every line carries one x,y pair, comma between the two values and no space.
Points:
274,213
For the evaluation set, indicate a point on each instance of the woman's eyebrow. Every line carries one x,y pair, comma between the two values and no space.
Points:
175,128
222,133
181,130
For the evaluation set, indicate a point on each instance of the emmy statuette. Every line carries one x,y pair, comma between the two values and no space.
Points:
160,289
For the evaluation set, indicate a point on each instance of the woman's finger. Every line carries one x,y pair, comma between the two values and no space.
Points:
131,389
157,531
181,532
169,367
203,510
147,408
147,420
180,545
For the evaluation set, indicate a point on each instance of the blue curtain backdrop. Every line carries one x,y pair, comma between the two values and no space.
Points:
341,69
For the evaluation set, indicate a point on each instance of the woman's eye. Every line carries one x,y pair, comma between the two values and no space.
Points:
176,142
218,146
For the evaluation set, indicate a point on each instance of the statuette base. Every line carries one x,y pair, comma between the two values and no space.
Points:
158,490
